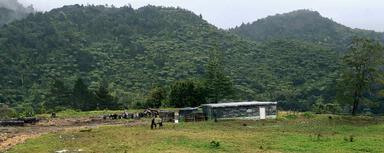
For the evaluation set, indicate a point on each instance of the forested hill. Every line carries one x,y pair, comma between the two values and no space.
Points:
304,25
135,49
12,10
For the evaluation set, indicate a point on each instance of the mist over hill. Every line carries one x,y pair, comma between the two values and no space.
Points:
12,10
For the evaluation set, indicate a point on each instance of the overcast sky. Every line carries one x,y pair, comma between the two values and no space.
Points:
364,14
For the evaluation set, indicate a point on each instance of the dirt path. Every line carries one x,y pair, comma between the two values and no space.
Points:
11,136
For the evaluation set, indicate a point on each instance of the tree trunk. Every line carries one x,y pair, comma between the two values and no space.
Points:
354,107
355,103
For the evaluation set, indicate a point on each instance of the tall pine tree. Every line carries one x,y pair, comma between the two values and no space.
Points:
218,84
81,96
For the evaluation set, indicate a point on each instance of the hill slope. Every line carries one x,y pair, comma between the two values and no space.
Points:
136,49
303,25
11,10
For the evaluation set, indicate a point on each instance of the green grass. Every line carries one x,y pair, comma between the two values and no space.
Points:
315,134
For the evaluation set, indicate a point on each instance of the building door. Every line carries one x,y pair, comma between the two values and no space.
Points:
262,113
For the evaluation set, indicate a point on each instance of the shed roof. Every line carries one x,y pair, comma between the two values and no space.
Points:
236,104
188,108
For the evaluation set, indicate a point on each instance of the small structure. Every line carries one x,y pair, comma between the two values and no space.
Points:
240,110
191,114
167,116
186,112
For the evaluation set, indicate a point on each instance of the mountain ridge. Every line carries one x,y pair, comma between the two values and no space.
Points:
303,25
136,49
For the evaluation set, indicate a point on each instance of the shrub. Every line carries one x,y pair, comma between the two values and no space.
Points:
6,112
291,116
215,144
321,108
308,115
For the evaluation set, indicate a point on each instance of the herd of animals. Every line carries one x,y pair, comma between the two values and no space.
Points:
19,121
148,113
126,115
156,121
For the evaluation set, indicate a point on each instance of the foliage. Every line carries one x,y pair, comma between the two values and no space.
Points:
291,116
308,115
361,71
156,97
187,93
217,83
303,25
59,96
6,112
215,144
103,98
133,49
12,10
329,108
81,95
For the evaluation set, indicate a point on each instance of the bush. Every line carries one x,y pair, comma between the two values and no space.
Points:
308,115
291,116
6,112
156,97
329,108
215,144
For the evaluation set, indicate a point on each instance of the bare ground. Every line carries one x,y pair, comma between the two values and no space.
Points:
11,136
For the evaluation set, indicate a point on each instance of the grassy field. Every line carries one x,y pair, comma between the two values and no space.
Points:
304,133
76,114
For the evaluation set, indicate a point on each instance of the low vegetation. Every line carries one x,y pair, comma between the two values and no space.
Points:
303,133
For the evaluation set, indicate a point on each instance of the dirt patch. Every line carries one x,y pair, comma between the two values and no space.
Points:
13,140
11,136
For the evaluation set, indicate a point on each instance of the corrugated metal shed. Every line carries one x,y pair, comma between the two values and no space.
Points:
236,104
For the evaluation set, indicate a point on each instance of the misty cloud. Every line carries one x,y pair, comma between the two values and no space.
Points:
12,10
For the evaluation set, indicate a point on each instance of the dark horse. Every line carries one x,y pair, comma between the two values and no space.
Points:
151,112
156,121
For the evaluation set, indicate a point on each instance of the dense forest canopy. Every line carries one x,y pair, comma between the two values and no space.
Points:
120,54
304,25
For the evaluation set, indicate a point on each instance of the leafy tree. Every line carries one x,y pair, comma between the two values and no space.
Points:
81,96
218,84
59,96
156,97
361,71
104,100
187,93
6,112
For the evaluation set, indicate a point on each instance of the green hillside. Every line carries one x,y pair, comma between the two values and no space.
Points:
304,25
136,49
11,10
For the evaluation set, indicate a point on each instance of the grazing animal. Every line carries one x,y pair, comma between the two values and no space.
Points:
30,120
53,115
156,121
113,116
124,115
151,112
